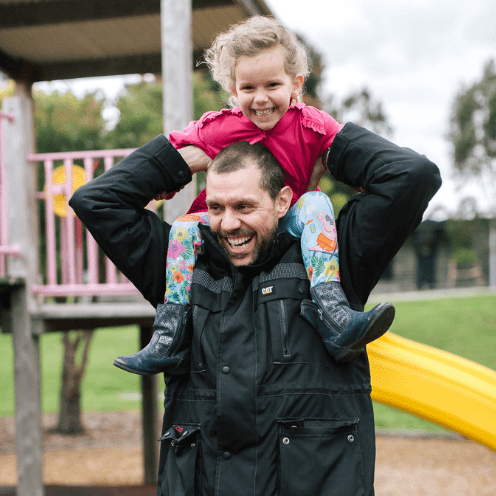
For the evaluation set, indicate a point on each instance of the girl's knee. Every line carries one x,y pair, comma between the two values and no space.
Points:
319,200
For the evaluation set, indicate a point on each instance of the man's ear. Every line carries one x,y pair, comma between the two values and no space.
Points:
283,201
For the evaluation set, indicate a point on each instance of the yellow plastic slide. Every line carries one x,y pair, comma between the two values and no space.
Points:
443,388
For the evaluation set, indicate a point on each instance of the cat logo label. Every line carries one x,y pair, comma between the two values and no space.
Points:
268,290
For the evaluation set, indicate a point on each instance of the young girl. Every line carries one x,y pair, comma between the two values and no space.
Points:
263,66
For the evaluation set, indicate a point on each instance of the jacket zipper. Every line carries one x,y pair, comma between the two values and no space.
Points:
284,328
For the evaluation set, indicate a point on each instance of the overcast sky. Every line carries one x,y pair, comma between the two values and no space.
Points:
414,56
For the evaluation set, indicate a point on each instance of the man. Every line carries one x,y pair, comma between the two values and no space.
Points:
254,404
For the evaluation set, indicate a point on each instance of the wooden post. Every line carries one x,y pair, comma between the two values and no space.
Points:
177,77
149,413
23,231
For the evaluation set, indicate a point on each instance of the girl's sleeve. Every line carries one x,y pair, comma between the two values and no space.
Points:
331,127
322,124
192,135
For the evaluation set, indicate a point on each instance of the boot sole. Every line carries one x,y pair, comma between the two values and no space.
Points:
377,327
123,366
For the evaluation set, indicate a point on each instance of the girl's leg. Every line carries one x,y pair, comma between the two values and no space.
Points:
172,319
312,220
345,332
184,243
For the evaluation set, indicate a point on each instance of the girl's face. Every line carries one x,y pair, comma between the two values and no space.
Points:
263,88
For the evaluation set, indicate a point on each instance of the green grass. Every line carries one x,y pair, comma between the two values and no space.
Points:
464,326
104,387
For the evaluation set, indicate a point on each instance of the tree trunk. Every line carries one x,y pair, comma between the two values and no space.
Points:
76,346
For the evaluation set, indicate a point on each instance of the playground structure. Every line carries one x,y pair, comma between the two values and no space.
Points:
27,309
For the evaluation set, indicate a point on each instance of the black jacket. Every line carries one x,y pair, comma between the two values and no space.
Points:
264,410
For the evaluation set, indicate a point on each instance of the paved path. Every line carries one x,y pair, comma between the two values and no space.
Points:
432,294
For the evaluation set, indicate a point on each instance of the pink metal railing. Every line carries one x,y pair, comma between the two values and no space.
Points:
76,271
5,248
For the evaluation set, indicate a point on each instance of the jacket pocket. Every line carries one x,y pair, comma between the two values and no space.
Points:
183,468
293,341
320,457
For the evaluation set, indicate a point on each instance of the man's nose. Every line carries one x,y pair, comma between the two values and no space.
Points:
230,221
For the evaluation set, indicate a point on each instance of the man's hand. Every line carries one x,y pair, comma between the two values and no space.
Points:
317,173
196,158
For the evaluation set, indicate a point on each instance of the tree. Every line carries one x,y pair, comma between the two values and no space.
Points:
140,119
64,122
473,132
140,109
76,348
314,80
362,109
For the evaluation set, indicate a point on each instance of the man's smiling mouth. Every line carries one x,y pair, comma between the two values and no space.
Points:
238,242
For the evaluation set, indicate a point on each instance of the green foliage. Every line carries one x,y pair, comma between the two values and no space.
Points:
140,118
460,234
64,122
207,94
141,110
316,64
6,88
473,130
362,109
464,256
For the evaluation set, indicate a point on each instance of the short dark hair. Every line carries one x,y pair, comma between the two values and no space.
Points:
241,155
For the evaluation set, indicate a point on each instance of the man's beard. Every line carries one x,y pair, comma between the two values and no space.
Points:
259,252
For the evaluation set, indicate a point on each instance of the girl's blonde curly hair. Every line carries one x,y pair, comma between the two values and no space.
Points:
249,38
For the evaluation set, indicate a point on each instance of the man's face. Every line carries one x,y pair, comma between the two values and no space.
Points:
242,214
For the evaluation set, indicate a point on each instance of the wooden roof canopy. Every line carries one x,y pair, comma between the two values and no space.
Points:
43,40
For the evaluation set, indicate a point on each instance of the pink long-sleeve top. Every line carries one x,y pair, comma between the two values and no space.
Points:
297,141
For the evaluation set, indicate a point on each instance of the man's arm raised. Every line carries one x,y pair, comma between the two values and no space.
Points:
398,184
112,207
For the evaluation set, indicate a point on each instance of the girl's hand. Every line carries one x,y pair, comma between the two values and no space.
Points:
317,173
196,158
